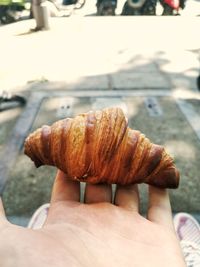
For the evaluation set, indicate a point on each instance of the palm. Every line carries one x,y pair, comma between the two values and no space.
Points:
95,234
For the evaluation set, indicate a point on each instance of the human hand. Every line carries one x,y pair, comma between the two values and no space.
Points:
95,233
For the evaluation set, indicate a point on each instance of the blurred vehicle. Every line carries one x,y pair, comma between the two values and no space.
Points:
131,7
139,7
10,10
172,7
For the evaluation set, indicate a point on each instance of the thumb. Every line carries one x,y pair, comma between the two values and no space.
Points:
2,211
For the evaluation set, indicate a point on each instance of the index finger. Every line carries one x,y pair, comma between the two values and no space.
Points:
65,189
159,209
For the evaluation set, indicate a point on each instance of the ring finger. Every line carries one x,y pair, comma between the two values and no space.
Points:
127,197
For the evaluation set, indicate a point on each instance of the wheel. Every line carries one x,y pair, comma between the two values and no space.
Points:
129,11
4,15
106,8
149,8
168,11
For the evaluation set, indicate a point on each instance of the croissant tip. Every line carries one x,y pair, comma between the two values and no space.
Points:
28,152
173,178
177,177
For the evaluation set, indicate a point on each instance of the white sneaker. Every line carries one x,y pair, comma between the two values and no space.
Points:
188,232
39,217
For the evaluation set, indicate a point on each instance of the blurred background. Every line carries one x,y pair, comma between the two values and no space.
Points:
59,59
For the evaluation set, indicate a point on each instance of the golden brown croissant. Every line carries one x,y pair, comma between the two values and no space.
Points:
99,147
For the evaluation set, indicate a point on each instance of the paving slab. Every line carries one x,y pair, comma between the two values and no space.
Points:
169,128
135,80
77,83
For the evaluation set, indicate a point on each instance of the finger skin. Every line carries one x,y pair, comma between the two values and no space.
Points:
127,197
2,211
159,209
65,189
98,193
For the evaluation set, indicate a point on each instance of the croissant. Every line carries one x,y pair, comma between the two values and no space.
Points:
99,147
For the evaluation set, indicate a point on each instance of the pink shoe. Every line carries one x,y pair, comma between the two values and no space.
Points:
188,232
39,217
187,228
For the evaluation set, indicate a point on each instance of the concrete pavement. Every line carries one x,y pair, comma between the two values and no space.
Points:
79,47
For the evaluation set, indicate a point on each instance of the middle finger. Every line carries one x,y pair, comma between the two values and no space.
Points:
98,193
